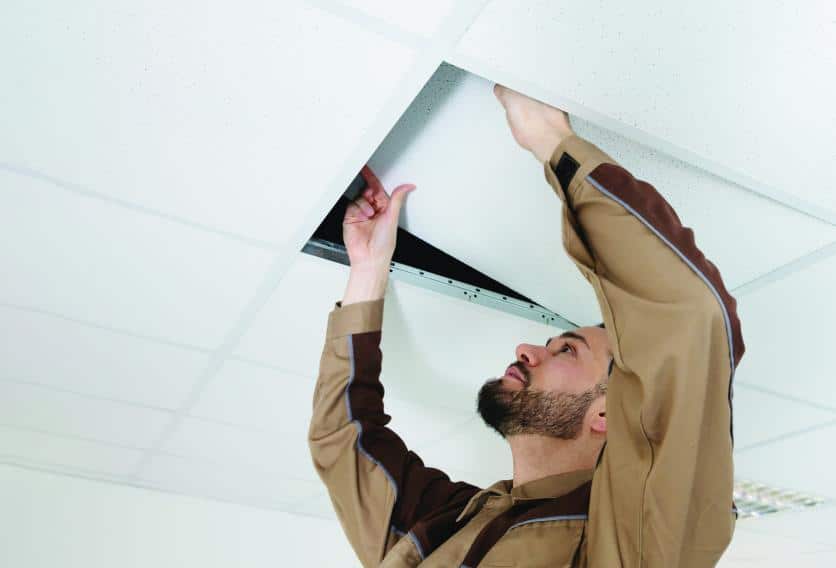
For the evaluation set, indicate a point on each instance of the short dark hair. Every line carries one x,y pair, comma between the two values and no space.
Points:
601,325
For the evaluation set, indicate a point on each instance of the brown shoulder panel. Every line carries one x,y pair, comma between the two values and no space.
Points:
436,528
645,202
420,490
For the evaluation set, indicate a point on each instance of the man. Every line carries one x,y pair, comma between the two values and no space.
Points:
621,435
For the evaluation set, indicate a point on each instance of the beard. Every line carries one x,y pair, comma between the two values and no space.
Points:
526,411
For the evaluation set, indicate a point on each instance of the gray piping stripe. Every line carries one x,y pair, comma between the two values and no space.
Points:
360,426
417,544
687,261
554,518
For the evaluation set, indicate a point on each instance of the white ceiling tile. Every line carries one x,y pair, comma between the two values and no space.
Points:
424,18
423,423
280,403
259,397
222,125
474,447
750,548
227,482
759,416
802,463
51,411
319,505
290,330
812,527
733,227
431,343
270,452
53,520
484,200
726,89
439,350
788,330
96,262
44,450
92,360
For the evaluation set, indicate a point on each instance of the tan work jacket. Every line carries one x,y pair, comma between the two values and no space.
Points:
661,493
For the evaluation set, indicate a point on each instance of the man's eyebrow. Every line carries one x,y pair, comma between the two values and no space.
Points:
570,335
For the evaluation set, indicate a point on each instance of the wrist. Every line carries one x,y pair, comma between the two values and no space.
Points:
557,130
549,144
366,282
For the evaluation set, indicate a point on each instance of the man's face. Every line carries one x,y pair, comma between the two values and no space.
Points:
550,389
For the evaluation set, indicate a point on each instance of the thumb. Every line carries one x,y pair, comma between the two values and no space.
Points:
399,196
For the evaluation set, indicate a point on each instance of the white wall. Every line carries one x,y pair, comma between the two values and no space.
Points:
49,520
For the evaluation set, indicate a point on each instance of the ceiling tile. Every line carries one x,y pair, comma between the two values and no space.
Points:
759,416
724,88
96,262
420,423
272,453
290,330
734,228
92,360
424,18
756,550
439,350
280,403
227,482
788,330
50,411
319,505
27,447
254,396
484,200
474,447
52,520
239,124
812,527
431,343
797,463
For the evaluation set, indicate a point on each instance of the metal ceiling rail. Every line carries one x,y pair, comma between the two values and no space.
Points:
448,286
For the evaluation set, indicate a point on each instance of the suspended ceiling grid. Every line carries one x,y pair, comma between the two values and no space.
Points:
159,184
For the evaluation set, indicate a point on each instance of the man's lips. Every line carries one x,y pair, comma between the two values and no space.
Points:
515,373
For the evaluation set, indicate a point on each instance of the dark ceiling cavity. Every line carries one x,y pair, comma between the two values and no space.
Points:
412,250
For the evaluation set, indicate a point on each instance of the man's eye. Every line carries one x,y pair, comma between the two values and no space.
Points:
567,346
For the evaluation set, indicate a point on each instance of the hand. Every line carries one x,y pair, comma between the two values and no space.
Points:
370,225
536,126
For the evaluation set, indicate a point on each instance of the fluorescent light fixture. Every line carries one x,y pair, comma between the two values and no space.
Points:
756,499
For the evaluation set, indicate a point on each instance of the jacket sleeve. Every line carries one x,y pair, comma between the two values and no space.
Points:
378,487
662,492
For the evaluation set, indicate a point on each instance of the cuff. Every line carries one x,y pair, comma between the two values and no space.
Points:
570,163
359,317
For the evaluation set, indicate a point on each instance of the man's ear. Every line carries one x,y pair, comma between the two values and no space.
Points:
599,416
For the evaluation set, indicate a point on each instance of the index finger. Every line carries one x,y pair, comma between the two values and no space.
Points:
371,178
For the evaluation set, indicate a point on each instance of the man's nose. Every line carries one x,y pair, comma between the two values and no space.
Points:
530,354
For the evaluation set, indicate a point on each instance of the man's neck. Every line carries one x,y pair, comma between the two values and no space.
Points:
538,456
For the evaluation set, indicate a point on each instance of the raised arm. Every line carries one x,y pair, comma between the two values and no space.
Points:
378,487
662,493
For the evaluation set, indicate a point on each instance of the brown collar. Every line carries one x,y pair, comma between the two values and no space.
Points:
543,488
